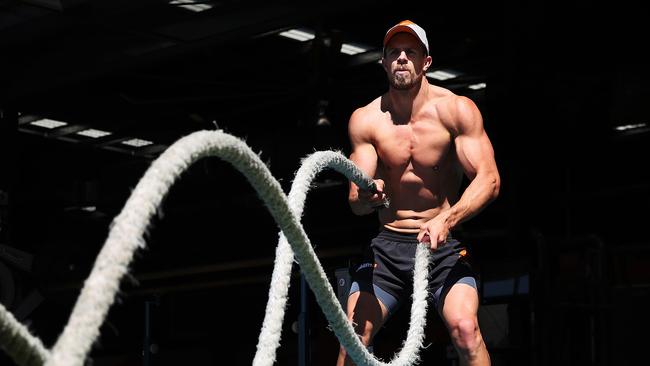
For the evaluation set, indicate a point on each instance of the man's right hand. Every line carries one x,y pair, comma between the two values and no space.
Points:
374,199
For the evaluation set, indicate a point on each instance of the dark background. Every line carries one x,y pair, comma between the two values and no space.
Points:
563,254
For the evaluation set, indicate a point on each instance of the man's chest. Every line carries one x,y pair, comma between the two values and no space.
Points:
420,144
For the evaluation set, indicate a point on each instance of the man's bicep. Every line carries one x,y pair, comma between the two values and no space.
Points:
364,156
363,152
475,152
473,146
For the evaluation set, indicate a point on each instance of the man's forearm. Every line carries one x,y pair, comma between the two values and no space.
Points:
479,193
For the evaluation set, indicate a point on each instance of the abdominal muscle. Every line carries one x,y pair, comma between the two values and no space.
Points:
407,222
412,204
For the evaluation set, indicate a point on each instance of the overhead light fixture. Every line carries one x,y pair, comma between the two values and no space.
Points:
93,133
442,74
637,126
48,123
192,5
477,86
137,142
350,49
301,35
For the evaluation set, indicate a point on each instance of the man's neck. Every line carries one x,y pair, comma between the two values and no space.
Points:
405,103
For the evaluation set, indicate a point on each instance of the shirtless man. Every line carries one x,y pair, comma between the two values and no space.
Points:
416,141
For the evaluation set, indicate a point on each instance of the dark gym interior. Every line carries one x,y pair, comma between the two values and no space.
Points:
562,255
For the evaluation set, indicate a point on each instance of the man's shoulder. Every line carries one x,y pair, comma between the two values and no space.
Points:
454,111
446,101
438,93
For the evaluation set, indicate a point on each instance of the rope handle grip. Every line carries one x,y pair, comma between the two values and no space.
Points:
372,187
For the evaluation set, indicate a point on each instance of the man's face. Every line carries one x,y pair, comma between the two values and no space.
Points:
405,61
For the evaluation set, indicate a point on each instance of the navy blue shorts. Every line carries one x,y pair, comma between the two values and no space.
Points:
387,269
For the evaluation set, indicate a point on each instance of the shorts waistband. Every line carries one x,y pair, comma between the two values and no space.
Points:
408,238
396,236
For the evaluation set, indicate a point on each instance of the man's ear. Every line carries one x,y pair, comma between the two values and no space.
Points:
427,63
383,65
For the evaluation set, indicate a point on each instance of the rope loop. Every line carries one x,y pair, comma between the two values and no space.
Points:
127,232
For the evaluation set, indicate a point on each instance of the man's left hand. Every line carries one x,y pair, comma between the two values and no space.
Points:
435,229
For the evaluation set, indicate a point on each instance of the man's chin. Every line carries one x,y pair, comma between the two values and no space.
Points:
402,85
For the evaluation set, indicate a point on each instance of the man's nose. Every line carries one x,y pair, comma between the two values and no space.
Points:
402,57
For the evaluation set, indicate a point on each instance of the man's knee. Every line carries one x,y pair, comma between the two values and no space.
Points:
466,335
365,331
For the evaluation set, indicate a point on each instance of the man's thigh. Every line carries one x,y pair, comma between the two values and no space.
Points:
460,302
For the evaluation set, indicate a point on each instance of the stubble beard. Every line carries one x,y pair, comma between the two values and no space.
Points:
402,82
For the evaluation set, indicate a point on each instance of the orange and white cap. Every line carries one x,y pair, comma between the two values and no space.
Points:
408,27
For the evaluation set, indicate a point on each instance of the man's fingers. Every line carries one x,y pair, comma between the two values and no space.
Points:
372,193
366,195
377,187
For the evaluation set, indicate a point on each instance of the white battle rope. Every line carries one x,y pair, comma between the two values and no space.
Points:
269,339
127,235
18,342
